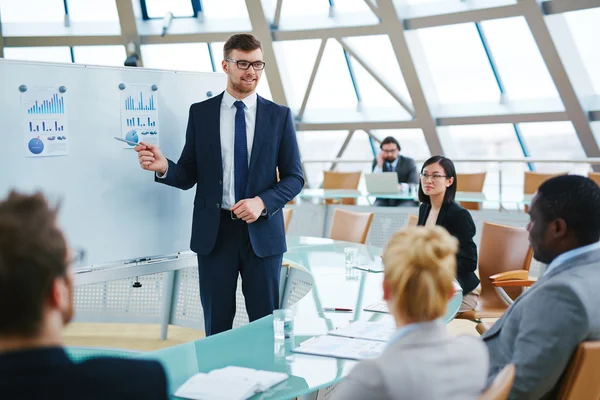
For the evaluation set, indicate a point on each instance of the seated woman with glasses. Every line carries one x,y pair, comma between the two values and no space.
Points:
437,189
421,360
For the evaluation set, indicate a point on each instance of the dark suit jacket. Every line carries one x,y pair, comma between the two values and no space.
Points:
459,223
48,373
200,164
406,170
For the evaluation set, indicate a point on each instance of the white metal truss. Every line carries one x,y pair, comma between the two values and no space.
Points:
389,18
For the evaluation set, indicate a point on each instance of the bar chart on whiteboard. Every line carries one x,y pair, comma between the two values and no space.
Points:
139,114
44,114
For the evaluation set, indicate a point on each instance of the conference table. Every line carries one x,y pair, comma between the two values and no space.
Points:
253,345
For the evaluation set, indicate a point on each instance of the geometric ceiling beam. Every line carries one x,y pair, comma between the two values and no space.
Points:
129,31
405,104
461,16
566,90
328,32
342,149
311,81
355,125
1,39
520,118
261,29
204,37
277,16
395,30
373,8
562,6
65,40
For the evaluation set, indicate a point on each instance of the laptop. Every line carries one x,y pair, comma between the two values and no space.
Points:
384,182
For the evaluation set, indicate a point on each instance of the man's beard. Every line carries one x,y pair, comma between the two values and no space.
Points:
240,88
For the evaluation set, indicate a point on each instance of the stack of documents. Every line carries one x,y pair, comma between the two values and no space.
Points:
379,331
381,305
341,347
235,383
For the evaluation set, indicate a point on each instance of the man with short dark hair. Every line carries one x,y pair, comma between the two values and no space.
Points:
542,328
36,302
235,143
390,160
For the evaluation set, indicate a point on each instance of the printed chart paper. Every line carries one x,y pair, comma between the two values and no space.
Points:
45,114
139,115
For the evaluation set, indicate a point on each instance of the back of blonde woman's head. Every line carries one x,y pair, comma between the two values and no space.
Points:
420,265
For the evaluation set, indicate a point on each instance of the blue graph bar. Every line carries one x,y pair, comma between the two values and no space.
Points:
139,105
55,105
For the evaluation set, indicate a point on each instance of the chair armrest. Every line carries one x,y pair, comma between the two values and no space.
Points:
510,275
514,283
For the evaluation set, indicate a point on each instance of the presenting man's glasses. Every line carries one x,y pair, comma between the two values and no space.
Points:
244,65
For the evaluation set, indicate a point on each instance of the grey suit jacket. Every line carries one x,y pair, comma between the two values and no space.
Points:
542,328
427,364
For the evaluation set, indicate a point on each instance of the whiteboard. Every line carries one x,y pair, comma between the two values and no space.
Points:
110,207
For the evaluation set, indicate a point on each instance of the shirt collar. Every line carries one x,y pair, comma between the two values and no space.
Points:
249,101
566,256
408,329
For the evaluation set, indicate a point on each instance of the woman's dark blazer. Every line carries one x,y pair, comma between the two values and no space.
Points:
459,223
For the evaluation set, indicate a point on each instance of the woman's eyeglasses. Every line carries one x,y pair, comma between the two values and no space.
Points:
434,177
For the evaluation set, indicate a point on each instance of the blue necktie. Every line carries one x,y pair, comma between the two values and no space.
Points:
240,153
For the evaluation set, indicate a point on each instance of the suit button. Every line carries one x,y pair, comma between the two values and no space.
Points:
220,182
218,205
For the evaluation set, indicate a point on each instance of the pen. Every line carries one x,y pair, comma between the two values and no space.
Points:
337,309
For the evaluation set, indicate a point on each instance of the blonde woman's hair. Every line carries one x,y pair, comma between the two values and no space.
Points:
420,265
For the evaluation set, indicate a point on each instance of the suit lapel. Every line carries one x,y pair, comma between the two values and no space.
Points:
212,119
261,129
442,215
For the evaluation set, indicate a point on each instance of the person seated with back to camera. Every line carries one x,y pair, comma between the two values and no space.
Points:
421,360
437,190
36,303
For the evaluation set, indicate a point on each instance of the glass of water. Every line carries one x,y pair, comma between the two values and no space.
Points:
351,262
283,324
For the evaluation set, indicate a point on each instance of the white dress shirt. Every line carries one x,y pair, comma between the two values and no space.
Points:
228,111
227,134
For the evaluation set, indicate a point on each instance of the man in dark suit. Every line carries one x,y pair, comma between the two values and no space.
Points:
36,302
235,142
390,160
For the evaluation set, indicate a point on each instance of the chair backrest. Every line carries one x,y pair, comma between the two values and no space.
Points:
341,180
413,220
533,180
470,183
595,176
500,387
502,248
350,226
287,217
580,380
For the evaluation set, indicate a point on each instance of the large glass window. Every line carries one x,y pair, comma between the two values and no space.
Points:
177,56
332,88
220,9
32,10
585,29
179,8
412,142
458,64
556,140
518,59
49,54
296,59
319,145
487,142
97,10
100,55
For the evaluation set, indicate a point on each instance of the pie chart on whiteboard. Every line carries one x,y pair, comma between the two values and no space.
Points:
132,136
36,146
